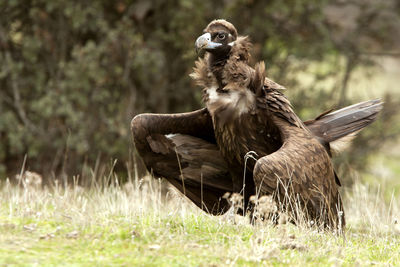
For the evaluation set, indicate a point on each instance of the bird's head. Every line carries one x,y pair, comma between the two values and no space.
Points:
218,38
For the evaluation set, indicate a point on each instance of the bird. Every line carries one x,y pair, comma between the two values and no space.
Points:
248,139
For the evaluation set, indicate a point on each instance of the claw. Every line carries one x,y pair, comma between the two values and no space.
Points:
251,155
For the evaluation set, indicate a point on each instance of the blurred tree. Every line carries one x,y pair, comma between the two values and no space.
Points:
73,73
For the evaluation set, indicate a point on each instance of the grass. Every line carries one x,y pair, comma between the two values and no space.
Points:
136,224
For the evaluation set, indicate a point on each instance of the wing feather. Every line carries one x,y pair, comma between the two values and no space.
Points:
301,171
182,149
277,104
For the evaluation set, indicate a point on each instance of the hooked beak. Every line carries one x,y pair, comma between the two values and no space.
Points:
204,43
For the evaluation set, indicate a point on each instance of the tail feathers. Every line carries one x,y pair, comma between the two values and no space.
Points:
339,127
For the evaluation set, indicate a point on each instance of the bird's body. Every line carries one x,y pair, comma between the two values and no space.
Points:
247,113
250,117
229,93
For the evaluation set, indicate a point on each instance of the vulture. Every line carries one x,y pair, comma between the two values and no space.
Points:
248,139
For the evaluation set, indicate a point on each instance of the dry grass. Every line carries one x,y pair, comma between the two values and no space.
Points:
137,224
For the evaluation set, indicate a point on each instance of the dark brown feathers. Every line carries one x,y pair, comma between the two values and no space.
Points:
207,153
250,114
241,50
189,160
301,177
280,106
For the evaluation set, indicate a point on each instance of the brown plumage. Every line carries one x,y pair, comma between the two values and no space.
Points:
245,111
291,164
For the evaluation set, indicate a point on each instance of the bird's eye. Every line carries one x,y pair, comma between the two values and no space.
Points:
221,36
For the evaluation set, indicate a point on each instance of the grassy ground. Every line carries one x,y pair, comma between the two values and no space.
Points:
135,224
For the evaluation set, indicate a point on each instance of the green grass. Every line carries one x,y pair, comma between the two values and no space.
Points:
132,225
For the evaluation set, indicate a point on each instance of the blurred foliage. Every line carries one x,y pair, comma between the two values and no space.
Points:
74,73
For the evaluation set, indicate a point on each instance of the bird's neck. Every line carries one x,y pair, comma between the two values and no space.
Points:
216,64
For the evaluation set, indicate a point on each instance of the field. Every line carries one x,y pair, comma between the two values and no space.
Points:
73,74
137,224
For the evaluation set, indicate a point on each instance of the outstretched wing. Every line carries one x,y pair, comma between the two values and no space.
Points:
299,173
301,177
182,149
